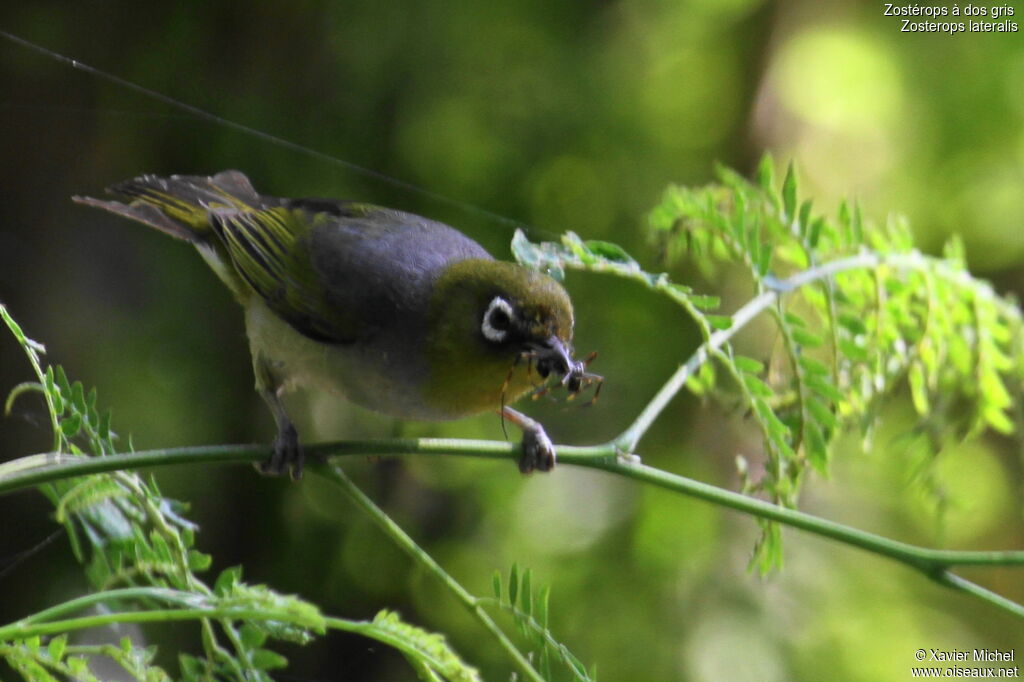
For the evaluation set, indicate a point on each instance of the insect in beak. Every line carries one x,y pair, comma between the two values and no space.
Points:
552,357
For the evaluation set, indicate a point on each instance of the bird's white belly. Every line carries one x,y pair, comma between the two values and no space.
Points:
370,377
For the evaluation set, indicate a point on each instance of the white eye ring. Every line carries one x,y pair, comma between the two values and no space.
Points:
498,306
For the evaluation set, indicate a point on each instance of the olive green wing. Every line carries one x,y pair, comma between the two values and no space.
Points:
270,250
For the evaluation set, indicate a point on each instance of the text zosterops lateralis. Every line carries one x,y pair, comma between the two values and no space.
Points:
401,314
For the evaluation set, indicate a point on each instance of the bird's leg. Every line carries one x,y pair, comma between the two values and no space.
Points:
287,455
538,450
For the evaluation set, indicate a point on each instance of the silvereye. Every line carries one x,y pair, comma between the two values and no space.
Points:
401,314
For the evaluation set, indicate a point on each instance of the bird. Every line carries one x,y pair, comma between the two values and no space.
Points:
398,313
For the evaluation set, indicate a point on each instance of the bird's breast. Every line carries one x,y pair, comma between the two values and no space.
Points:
384,372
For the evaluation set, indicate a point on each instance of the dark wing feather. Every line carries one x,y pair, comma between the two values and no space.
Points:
269,249
336,271
339,271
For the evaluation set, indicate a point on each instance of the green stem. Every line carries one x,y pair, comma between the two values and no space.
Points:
34,470
373,631
32,350
51,468
37,469
403,540
77,604
21,630
928,560
955,582
934,563
628,440
42,622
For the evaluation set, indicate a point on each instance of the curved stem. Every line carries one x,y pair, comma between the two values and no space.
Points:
403,540
37,469
193,607
920,557
373,631
21,630
163,594
34,470
628,440
953,581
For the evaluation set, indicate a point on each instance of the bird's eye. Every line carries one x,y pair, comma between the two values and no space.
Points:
497,320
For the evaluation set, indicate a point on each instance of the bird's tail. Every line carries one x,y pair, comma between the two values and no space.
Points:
180,205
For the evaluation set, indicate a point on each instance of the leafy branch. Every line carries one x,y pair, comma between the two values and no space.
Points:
139,554
932,562
858,311
530,611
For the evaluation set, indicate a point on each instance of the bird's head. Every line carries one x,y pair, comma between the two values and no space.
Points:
495,330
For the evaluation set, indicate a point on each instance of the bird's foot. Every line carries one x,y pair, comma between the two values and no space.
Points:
287,455
538,450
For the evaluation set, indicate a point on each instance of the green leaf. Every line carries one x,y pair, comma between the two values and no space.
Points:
763,262
34,672
814,234
264,659
15,328
844,216
817,450
805,216
999,421
853,351
748,364
70,426
993,390
806,338
513,584
919,389
426,650
857,224
821,413
609,251
56,647
794,320
199,562
191,668
527,593
789,193
766,173
104,427
823,386
228,579
812,366
78,397
719,321
756,386
62,383
704,302
252,637
542,605
703,380
80,668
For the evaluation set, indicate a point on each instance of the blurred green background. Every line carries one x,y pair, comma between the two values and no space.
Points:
565,116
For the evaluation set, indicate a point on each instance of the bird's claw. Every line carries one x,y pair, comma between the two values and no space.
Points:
287,455
538,450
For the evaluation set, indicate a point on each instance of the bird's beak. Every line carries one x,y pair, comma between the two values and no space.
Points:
553,353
